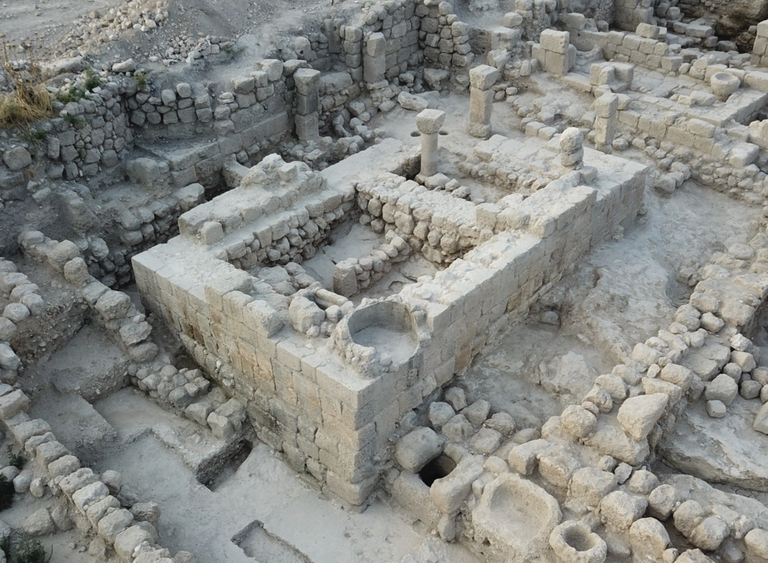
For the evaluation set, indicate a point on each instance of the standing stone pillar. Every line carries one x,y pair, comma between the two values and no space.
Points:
571,148
429,122
307,103
606,112
481,79
375,59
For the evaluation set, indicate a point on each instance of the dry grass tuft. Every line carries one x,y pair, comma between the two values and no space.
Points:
29,99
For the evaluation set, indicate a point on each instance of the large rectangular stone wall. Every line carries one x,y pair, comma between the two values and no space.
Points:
328,404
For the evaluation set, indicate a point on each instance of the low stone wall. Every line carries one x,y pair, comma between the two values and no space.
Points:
92,138
90,498
352,275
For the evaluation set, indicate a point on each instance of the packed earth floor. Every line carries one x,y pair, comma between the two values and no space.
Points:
393,281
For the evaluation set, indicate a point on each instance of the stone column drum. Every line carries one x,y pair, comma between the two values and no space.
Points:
481,79
429,122
571,148
307,103
606,119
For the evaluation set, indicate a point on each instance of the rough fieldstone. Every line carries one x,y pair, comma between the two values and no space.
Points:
414,450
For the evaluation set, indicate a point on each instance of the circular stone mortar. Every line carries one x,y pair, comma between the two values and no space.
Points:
724,84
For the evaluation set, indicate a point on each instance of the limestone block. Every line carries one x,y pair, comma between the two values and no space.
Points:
8,358
555,41
591,485
304,314
412,102
17,158
483,77
345,279
756,541
577,421
417,448
113,305
687,516
49,452
557,466
761,420
710,533
524,458
430,121
61,253
723,388
13,403
39,523
146,512
607,105
458,429
503,423
744,360
619,510
677,374
456,398
374,60
648,30
113,480
221,427
99,509
77,480
65,465
693,556
638,415
477,412
262,317
89,494
307,127
486,441
127,541
411,493
448,493
662,501
649,539
114,523
645,355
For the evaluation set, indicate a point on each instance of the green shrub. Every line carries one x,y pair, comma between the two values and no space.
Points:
92,80
30,550
18,460
74,94
73,119
141,79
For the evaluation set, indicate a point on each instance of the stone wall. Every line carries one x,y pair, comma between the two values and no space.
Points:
331,405
444,39
91,136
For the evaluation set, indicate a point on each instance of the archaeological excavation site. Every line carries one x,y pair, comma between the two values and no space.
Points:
384,281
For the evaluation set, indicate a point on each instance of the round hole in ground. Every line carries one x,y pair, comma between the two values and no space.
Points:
436,469
415,133
443,132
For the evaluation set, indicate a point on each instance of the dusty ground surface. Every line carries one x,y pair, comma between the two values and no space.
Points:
257,509
59,25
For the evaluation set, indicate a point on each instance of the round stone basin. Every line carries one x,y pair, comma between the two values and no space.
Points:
723,84
516,516
387,327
